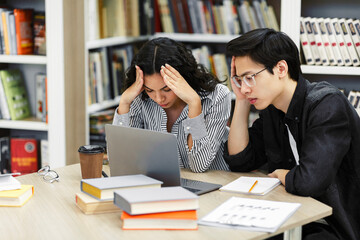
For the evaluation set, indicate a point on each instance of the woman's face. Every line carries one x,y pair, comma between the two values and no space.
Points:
157,90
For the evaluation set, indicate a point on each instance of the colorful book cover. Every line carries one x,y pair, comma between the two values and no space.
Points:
24,31
16,94
24,155
39,33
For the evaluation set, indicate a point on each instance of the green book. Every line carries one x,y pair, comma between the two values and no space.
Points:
16,95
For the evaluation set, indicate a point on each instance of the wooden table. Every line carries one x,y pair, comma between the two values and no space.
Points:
52,214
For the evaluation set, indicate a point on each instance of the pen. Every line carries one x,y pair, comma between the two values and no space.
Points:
253,185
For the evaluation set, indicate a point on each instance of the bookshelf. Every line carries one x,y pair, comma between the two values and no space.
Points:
62,64
288,15
340,76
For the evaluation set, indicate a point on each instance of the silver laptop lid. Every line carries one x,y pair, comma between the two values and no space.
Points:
141,151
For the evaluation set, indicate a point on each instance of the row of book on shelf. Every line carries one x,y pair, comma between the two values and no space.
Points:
97,126
109,18
354,99
22,32
22,154
146,205
107,69
330,41
14,98
213,16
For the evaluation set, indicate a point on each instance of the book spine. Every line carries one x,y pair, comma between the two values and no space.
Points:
305,44
340,41
333,43
348,42
326,41
311,38
319,42
354,35
122,203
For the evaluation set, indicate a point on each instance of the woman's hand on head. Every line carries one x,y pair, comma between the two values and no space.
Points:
132,92
179,85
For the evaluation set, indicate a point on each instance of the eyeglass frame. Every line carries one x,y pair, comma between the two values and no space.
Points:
236,79
45,171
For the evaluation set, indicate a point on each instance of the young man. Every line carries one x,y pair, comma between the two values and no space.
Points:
308,134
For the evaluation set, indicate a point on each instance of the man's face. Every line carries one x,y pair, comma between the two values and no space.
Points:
268,86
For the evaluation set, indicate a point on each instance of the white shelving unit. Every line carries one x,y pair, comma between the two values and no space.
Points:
63,66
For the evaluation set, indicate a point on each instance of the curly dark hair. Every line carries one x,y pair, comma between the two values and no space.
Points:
158,51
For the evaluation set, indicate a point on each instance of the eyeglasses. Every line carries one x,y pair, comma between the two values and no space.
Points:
249,80
48,175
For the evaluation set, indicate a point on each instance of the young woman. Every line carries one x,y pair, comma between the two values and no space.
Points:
167,91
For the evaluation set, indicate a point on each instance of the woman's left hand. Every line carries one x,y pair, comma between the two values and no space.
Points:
178,85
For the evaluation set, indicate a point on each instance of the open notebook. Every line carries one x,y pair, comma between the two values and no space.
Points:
244,184
250,214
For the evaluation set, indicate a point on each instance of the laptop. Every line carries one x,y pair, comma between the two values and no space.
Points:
152,153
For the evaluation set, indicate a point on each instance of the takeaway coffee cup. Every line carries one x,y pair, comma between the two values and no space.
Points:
91,161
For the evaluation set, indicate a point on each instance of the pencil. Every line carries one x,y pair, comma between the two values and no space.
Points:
253,185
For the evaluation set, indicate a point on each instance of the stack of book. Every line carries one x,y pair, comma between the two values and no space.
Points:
97,194
169,208
12,192
330,41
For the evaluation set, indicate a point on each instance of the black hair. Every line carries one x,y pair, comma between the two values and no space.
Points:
158,51
268,47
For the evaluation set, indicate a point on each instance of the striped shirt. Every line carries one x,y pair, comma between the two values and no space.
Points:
208,130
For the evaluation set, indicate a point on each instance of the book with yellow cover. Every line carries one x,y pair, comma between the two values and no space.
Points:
16,198
103,188
181,220
90,205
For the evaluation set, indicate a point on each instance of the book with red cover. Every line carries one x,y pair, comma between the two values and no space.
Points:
24,155
180,220
24,31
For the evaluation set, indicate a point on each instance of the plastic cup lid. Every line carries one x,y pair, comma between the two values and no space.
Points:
92,149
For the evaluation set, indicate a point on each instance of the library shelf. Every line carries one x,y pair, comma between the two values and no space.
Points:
32,124
23,59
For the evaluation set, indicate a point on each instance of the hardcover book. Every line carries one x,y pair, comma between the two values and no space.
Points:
155,200
103,188
181,220
16,94
24,155
90,205
16,198
39,33
24,31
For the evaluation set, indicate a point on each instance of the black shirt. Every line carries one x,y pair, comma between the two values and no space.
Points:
326,129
